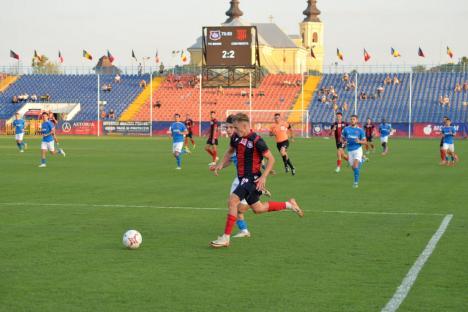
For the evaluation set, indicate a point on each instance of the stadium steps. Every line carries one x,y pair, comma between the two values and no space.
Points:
309,88
8,81
143,98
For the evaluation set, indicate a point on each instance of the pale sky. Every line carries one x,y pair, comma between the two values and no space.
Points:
150,25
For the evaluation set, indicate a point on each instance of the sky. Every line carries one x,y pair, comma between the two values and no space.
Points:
149,25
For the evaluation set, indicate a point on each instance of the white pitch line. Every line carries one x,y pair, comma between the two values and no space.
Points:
211,208
412,274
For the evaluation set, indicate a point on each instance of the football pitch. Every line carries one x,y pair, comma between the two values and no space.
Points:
62,226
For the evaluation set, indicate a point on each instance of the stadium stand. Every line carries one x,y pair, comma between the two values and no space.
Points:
181,94
73,89
6,81
309,89
141,100
393,103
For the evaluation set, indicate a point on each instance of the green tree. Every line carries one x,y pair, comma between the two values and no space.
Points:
42,65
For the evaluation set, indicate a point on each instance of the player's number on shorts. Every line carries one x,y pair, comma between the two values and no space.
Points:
229,54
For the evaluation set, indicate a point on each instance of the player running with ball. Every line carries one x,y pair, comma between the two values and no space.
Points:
250,149
354,138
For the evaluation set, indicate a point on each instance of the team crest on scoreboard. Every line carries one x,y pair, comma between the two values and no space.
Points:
215,35
241,34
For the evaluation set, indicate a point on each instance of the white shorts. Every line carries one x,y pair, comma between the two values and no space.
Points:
48,146
19,137
355,155
234,185
450,147
177,147
384,139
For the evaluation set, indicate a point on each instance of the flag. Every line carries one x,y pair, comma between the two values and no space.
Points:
110,56
339,54
14,55
158,60
367,56
86,55
60,57
312,53
394,52
449,52
421,53
134,56
37,56
183,56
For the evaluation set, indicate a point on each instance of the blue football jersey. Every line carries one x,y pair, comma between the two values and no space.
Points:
449,133
19,126
350,135
46,130
385,129
176,130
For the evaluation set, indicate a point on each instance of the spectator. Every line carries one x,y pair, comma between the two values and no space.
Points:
45,97
298,83
143,84
111,114
103,115
335,107
441,100
220,90
14,100
243,93
396,81
324,99
458,87
446,100
345,106
34,97
161,69
345,77
157,104
261,93
465,86
179,85
117,79
380,91
387,80
363,95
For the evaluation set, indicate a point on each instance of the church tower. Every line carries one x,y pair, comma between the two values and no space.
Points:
311,29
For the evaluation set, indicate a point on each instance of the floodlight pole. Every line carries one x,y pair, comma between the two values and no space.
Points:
98,105
200,105
151,103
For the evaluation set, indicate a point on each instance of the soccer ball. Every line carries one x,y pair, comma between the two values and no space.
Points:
132,239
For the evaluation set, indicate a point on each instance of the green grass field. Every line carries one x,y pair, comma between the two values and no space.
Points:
61,230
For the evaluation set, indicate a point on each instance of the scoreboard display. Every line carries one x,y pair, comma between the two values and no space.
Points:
228,46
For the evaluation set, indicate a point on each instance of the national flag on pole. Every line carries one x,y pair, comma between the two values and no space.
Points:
60,57
312,53
134,56
449,52
394,52
339,54
37,56
110,56
421,53
158,60
367,56
86,55
14,55
183,56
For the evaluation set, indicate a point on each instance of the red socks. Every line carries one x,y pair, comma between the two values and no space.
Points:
214,154
338,163
276,206
209,151
442,154
230,221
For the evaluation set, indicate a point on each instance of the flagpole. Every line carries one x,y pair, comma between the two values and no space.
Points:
250,99
200,106
151,104
98,103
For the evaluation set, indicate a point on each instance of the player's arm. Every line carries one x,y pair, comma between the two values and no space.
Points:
261,182
169,131
332,130
225,162
362,139
290,133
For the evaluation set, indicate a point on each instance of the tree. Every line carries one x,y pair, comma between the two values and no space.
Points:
42,65
419,69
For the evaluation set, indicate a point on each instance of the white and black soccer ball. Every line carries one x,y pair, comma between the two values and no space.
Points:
132,239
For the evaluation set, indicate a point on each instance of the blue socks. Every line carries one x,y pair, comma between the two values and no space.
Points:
241,224
356,174
43,161
179,161
19,145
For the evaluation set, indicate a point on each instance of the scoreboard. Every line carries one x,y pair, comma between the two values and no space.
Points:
228,46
